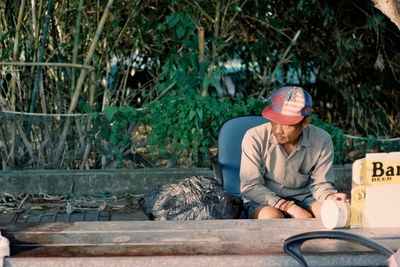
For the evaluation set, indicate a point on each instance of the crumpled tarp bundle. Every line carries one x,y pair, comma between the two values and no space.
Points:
194,198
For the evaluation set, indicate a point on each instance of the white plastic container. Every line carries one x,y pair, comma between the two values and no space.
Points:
335,214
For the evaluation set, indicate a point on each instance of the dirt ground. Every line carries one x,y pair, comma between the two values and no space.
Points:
69,204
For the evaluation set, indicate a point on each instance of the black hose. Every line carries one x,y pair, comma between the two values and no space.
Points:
292,244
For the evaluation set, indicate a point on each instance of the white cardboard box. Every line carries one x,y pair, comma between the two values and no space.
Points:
375,196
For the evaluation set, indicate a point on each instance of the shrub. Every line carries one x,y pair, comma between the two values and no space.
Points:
185,127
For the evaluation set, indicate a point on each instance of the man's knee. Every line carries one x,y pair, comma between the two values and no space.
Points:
315,209
267,212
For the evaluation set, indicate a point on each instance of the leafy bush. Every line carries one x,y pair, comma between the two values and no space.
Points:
168,53
184,130
338,139
349,148
186,127
112,131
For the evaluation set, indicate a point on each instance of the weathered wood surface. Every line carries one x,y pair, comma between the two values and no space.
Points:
149,238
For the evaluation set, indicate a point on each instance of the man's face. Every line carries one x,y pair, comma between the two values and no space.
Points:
288,134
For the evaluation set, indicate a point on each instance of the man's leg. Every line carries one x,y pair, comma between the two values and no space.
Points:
267,212
315,209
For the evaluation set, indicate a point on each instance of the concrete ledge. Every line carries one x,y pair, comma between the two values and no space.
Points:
61,182
196,261
187,243
137,181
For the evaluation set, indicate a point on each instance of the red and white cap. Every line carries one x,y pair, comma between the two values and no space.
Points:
289,105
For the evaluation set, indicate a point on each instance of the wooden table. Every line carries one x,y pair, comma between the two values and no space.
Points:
186,243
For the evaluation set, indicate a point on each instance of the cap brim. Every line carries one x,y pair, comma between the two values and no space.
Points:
270,114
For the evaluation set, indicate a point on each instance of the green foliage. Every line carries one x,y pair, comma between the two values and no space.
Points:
185,127
346,55
349,148
180,69
7,51
338,139
179,24
112,130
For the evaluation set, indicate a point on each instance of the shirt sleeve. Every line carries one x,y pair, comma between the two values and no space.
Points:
322,177
252,170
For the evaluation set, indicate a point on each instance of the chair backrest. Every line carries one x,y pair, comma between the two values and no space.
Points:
229,149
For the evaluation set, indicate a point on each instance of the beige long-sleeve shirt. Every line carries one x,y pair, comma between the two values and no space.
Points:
268,174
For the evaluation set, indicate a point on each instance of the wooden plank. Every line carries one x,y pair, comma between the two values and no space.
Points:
146,238
196,261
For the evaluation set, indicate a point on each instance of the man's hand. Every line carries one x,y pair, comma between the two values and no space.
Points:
298,212
337,197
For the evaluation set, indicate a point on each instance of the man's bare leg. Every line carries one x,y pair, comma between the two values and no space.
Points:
315,209
267,212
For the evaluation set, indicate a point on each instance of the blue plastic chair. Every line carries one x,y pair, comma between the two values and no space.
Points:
227,166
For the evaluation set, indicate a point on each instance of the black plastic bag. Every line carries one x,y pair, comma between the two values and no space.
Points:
194,198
